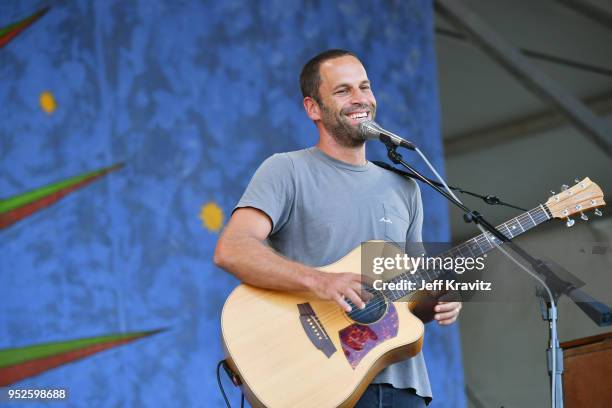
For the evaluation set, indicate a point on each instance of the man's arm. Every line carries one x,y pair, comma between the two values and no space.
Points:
242,252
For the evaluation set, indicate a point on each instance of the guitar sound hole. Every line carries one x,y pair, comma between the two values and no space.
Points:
375,309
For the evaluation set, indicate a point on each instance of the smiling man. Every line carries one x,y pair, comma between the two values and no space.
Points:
313,206
338,95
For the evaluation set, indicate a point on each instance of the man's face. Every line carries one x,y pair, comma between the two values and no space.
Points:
346,99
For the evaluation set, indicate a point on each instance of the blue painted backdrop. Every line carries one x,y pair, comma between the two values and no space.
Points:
192,96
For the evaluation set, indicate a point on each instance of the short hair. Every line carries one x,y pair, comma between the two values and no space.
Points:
310,78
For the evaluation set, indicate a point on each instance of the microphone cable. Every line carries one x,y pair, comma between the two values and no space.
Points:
226,368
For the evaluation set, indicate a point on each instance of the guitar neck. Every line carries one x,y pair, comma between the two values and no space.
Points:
481,244
475,247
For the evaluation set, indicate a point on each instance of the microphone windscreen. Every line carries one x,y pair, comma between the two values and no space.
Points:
369,129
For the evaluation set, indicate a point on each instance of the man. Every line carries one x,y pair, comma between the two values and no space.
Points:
313,206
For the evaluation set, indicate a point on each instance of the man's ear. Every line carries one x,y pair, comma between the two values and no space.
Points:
312,108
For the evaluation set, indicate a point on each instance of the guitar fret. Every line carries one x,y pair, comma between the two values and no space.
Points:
511,229
488,238
508,233
470,249
532,220
545,212
482,251
475,247
485,242
526,222
454,252
461,252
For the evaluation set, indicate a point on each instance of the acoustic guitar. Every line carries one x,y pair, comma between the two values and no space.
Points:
294,350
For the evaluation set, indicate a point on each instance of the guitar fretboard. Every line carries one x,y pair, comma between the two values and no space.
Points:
473,248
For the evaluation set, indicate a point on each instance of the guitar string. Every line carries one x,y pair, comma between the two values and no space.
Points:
541,216
459,251
535,219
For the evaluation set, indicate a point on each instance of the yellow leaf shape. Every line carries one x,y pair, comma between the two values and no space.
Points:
212,217
47,102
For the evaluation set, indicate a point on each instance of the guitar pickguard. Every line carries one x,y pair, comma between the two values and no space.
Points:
358,339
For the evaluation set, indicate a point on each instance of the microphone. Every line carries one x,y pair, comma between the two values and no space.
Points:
371,130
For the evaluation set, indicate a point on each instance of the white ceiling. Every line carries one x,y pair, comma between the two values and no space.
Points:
477,93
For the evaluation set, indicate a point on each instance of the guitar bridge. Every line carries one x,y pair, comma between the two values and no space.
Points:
315,330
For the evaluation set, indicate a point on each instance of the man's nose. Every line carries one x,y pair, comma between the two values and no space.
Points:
359,97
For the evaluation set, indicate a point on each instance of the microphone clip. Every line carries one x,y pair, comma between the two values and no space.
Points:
392,153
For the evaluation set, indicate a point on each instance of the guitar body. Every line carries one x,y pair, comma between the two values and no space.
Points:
294,350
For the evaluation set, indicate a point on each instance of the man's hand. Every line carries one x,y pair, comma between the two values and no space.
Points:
339,287
447,312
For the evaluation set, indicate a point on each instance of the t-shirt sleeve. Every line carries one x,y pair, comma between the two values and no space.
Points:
272,190
414,233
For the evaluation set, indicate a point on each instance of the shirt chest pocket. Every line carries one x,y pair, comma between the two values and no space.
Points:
396,223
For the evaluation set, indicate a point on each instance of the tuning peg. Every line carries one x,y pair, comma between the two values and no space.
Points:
583,216
552,192
576,180
564,187
569,222
597,212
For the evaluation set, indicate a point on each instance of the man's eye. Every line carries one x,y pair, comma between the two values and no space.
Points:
341,91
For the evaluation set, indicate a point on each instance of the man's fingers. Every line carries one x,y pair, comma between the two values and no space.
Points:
446,315
340,301
361,291
447,306
354,297
447,312
349,289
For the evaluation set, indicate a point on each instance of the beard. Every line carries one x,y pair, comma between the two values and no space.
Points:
339,127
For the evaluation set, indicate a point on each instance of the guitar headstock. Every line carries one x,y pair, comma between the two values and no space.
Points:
582,196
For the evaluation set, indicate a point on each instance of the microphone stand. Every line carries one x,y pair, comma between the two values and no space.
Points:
600,313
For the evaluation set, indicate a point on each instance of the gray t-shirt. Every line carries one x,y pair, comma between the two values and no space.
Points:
321,208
